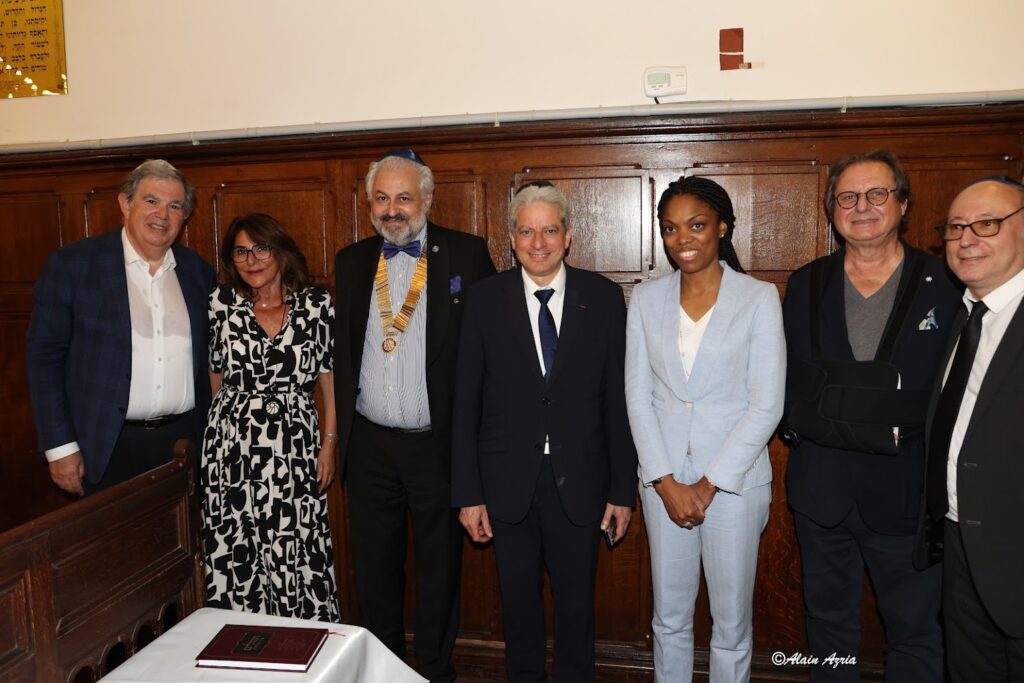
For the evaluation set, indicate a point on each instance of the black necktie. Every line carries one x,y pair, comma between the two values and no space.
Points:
948,409
548,331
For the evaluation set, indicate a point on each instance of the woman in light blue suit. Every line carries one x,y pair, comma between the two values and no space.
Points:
705,379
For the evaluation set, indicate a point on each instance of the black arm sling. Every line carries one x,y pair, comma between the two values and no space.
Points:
854,405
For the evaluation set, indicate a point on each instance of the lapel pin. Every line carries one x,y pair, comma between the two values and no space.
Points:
435,249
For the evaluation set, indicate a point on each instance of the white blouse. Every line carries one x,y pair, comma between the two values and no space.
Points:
690,334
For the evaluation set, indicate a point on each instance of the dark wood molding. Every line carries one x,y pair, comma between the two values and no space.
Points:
738,126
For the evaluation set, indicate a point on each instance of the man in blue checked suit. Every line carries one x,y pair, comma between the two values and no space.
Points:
117,343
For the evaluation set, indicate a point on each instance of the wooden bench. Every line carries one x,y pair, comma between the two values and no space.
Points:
86,586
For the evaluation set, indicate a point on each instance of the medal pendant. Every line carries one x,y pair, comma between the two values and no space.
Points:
389,344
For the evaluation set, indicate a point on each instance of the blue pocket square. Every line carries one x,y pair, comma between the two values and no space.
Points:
455,286
929,322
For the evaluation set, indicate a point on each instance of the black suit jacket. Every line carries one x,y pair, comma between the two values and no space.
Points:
455,260
504,408
824,483
990,475
79,354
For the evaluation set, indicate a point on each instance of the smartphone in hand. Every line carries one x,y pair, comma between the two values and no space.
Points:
609,534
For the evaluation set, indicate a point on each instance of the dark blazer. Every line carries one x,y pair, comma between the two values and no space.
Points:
825,483
79,355
504,408
455,260
990,474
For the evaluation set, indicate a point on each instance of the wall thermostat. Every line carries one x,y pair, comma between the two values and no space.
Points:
660,81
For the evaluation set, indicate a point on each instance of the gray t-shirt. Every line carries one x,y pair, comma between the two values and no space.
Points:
866,316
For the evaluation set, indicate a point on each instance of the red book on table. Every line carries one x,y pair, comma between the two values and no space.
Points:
271,648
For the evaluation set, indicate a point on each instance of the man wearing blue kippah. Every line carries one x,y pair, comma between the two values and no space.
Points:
400,296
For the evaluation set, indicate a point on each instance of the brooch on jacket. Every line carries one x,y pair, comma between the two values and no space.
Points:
929,322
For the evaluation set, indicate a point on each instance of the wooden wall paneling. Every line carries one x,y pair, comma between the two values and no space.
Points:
102,211
200,231
935,182
300,206
459,203
610,216
773,165
779,220
31,227
340,215
340,178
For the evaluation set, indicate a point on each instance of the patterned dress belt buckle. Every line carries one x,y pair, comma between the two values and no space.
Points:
155,422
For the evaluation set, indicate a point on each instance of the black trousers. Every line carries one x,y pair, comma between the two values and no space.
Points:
976,648
546,537
390,478
834,559
139,449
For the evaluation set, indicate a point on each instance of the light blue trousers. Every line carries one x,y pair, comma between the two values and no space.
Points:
726,543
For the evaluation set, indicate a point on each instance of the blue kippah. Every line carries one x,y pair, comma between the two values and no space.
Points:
405,153
535,183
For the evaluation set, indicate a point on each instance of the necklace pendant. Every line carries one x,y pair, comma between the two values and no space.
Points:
389,344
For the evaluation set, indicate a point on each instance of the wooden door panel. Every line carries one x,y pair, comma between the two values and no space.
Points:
934,183
301,207
102,211
610,216
459,201
30,228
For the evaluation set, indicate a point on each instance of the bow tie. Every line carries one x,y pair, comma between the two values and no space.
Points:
412,249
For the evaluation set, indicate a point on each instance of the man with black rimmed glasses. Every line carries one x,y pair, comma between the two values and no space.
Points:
865,330
974,516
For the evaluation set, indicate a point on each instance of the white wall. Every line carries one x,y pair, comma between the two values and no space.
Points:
151,67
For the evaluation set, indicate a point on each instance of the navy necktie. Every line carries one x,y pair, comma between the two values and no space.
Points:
412,249
548,331
948,409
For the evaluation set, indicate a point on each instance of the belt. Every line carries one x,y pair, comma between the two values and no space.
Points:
393,430
156,422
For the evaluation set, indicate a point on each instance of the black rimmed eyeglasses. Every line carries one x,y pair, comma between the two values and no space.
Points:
986,227
261,252
876,197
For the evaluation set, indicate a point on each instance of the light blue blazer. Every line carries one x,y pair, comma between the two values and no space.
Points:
718,422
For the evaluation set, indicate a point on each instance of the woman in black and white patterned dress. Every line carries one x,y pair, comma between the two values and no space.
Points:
265,468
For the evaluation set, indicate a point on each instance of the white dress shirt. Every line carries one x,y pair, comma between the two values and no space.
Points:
1002,303
162,377
555,305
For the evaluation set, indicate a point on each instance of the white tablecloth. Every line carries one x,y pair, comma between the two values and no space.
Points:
353,657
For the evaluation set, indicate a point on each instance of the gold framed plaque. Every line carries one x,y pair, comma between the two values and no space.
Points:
32,61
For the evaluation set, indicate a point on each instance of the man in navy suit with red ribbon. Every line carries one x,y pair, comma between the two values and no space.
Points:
542,458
